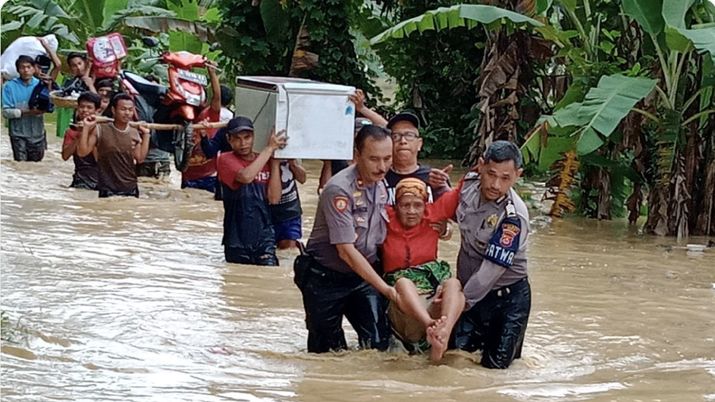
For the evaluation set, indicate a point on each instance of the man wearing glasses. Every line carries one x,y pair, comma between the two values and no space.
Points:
406,144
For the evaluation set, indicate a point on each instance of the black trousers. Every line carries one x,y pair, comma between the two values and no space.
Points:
496,325
26,149
111,193
328,296
262,255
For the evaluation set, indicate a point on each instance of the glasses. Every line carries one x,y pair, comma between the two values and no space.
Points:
408,135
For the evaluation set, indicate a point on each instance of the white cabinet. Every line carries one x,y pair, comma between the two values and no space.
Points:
318,117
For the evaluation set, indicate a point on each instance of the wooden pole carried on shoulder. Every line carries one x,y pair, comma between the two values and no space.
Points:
160,126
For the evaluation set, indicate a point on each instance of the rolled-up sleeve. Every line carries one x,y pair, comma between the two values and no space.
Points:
9,109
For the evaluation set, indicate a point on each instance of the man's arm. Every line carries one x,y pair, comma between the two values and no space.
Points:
337,207
247,174
212,146
325,174
438,180
56,63
69,145
357,262
9,111
88,138
297,170
87,79
481,282
274,183
359,100
142,150
215,88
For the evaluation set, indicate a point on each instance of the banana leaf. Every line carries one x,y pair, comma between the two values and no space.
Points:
647,13
462,15
703,40
674,12
166,24
93,11
603,108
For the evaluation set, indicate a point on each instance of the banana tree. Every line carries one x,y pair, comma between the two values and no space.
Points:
686,53
75,21
507,61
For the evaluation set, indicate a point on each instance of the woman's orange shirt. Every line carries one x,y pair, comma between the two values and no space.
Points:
404,248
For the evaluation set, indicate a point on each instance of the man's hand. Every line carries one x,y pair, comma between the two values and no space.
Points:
391,294
44,43
143,129
90,122
200,133
439,227
278,140
358,98
439,178
211,67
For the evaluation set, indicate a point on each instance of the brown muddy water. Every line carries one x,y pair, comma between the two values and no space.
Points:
130,300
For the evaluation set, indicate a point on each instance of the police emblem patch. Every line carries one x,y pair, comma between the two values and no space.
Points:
508,232
504,243
340,203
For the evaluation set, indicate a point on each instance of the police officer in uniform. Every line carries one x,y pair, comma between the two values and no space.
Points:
338,274
494,225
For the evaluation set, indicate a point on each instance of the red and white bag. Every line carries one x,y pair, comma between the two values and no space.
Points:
106,52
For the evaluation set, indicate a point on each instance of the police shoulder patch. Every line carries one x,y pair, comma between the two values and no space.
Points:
340,203
504,243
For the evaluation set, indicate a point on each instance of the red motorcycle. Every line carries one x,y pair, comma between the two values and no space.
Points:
180,103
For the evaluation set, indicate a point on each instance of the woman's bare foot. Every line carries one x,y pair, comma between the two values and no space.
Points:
438,338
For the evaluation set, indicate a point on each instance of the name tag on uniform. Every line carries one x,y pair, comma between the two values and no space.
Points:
504,243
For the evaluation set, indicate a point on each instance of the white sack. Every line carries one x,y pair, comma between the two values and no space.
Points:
25,45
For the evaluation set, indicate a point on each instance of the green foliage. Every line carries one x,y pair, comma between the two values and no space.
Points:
261,40
75,21
461,15
603,109
436,74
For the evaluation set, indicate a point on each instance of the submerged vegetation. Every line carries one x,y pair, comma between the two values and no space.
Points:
14,333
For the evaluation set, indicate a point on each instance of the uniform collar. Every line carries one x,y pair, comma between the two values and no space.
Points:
498,202
503,198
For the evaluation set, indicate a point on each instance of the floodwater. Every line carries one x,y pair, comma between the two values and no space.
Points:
130,300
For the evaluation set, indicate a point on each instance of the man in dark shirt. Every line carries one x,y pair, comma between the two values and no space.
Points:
85,168
406,145
79,80
250,182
